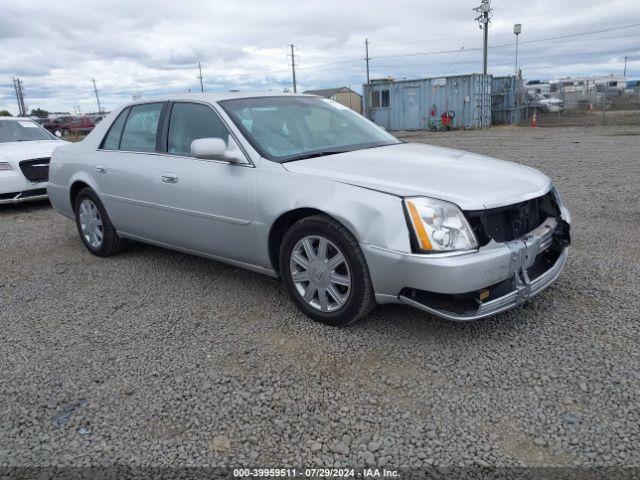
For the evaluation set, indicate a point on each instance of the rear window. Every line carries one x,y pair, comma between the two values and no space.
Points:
141,128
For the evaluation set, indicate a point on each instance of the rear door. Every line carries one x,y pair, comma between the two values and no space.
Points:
125,170
207,206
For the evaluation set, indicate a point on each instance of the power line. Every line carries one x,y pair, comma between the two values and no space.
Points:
510,44
443,37
547,56
458,55
459,51
438,52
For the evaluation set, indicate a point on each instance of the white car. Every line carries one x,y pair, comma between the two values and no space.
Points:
25,151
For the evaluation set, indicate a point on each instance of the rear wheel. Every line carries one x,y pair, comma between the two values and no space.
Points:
325,271
95,228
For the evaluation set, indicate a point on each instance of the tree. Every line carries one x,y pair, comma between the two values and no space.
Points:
38,112
5,113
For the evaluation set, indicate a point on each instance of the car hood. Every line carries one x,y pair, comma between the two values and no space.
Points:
18,151
473,182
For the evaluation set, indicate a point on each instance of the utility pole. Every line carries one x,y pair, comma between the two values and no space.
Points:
366,51
95,89
15,88
200,77
22,108
293,68
24,105
483,19
625,66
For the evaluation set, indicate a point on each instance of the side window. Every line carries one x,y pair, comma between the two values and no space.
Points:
139,134
375,99
112,140
384,99
190,121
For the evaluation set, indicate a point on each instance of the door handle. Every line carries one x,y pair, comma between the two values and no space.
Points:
169,178
101,169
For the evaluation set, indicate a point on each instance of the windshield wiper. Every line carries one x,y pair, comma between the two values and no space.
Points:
322,153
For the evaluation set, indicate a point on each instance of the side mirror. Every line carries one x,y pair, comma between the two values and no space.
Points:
58,133
214,149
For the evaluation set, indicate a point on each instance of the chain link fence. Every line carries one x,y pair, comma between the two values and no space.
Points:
582,103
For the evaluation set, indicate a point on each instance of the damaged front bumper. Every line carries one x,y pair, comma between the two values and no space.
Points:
475,285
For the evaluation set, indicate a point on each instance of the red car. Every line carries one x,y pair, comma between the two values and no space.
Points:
67,125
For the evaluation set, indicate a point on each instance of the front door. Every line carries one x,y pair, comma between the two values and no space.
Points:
207,206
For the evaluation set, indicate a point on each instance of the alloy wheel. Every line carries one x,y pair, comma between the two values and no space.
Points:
91,223
320,273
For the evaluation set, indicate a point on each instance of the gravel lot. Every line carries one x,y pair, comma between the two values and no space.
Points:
158,358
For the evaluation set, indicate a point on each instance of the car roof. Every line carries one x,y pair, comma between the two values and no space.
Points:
217,97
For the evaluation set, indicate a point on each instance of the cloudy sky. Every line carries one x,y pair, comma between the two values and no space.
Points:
150,47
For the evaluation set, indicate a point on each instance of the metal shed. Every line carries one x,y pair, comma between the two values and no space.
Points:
343,95
418,104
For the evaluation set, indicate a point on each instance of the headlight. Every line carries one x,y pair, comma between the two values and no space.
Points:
439,226
556,195
5,166
564,211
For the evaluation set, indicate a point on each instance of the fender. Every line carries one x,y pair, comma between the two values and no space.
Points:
373,217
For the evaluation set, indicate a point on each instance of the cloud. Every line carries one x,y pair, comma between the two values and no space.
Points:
151,47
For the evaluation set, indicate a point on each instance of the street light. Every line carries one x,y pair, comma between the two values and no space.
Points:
517,29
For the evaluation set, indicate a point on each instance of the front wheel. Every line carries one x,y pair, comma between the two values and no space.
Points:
95,228
325,272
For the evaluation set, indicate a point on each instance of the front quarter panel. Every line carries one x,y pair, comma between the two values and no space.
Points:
373,217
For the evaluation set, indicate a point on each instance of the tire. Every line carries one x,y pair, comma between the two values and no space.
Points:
108,243
357,299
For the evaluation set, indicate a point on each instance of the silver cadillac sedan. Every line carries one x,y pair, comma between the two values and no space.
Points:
304,189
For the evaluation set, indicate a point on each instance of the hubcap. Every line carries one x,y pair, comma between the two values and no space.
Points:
90,223
320,273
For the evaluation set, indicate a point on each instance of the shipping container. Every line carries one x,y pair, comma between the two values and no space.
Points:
508,100
420,104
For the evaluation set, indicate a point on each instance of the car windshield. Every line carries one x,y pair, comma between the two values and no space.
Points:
292,128
22,131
